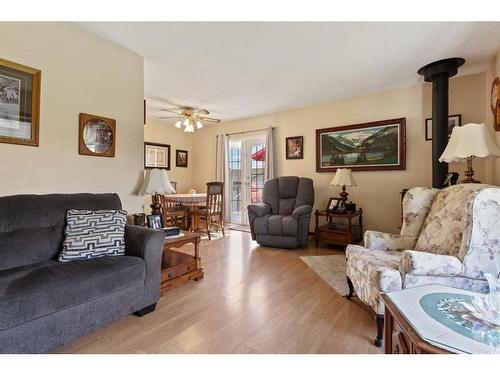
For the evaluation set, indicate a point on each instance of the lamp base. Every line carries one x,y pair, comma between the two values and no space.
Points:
469,173
343,194
155,205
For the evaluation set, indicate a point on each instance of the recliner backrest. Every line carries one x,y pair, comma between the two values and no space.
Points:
32,226
286,193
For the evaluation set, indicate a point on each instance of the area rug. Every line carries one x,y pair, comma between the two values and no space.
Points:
331,268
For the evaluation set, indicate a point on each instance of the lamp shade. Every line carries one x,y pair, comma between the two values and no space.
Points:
343,177
156,181
470,140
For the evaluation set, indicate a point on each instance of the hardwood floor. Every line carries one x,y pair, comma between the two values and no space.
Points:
252,300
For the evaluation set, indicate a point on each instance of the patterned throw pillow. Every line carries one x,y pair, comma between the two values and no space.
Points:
93,234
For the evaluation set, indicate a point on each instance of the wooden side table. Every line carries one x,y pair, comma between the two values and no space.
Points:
178,268
343,233
400,337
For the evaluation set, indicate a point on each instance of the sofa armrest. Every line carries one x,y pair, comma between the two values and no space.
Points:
147,244
385,241
301,210
259,209
428,264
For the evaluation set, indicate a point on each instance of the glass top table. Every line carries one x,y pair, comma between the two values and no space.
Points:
436,313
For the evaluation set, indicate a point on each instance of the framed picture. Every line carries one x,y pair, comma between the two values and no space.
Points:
155,221
181,158
97,135
453,120
294,147
333,204
156,155
374,146
19,103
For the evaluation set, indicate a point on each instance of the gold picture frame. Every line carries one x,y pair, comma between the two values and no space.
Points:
19,103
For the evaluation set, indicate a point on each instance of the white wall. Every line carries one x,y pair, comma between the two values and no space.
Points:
80,73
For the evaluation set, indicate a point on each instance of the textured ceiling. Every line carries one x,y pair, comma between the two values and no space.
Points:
238,70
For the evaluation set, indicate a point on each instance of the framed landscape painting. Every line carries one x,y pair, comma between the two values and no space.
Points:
19,103
156,155
374,146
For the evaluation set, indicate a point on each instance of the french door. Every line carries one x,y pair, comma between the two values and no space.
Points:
246,174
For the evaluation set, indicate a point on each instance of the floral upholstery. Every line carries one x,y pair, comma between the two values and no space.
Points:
386,241
416,205
420,263
458,233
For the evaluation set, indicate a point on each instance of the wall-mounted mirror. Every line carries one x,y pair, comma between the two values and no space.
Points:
97,135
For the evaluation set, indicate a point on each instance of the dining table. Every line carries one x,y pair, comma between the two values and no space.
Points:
192,201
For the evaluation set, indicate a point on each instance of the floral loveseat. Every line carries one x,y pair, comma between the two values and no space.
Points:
449,237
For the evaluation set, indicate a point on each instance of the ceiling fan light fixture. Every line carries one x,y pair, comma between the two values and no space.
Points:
199,125
178,124
189,128
186,122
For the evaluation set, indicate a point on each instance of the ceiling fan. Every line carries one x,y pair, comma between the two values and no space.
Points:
189,117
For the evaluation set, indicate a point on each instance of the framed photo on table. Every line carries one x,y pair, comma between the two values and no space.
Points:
156,155
19,103
155,221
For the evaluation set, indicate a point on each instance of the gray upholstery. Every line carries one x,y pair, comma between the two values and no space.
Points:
45,303
282,219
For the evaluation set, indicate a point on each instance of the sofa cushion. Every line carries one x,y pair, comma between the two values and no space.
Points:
32,226
33,291
93,234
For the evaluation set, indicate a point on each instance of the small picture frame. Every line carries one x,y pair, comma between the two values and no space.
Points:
156,155
453,120
181,158
335,204
155,221
294,147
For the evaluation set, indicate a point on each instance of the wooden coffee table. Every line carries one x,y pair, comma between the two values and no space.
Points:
178,268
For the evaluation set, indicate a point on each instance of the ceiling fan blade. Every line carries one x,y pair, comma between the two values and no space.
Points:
209,119
202,112
171,111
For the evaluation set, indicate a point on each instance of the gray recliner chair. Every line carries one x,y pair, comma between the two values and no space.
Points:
282,219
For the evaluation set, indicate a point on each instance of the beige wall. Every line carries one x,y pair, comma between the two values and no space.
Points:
160,132
80,73
377,192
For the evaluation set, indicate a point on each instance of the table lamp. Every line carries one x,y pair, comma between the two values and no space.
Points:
156,182
468,142
343,177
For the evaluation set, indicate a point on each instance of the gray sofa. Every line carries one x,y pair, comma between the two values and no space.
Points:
45,303
282,219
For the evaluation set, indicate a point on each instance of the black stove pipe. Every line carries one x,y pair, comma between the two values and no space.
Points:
439,73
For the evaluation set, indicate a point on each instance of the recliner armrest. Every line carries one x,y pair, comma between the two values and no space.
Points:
428,264
385,241
301,210
259,209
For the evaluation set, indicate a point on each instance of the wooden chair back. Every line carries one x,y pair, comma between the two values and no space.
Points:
215,197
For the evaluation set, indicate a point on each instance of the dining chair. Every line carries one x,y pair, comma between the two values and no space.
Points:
174,213
214,209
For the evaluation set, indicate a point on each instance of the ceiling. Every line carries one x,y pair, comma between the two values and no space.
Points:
243,69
